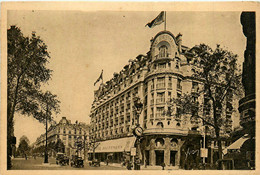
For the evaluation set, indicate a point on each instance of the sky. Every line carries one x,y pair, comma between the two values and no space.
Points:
83,43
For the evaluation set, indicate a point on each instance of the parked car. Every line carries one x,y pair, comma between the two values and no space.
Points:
76,161
62,159
94,162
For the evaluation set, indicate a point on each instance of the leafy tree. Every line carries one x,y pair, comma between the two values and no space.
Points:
59,146
48,105
23,147
218,71
26,71
92,145
25,138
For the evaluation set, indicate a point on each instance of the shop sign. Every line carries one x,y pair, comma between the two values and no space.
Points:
203,152
133,151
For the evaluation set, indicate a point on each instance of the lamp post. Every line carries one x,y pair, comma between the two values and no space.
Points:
138,131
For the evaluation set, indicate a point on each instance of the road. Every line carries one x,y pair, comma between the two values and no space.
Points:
37,164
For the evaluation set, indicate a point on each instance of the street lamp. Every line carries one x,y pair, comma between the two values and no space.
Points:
138,131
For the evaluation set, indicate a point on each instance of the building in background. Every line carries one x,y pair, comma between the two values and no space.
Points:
68,133
163,73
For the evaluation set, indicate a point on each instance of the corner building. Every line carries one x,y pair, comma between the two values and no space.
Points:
164,73
68,133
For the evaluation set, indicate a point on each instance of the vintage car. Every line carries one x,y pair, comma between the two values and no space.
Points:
62,159
94,162
76,161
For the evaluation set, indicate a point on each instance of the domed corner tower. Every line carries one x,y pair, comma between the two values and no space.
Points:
164,47
164,135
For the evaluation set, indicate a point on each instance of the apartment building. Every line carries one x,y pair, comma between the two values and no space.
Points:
157,77
68,133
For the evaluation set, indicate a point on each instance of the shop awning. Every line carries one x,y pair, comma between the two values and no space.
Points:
115,145
237,144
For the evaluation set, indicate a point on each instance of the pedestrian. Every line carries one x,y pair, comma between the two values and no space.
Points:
107,161
128,165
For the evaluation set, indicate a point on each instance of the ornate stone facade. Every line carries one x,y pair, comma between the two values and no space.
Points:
68,133
164,73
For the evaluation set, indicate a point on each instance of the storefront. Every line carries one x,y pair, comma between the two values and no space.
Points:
113,150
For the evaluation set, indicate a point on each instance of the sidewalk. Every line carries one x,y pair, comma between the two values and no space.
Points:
143,167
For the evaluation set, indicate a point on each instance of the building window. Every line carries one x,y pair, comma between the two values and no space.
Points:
160,97
169,96
195,86
160,83
170,82
163,51
162,65
179,84
152,85
159,125
159,111
174,142
159,142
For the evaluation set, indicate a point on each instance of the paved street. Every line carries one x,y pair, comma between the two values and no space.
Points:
32,164
37,164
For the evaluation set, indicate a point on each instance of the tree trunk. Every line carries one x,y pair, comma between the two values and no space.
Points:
10,126
46,139
219,144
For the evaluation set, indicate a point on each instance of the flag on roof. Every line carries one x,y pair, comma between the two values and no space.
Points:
157,21
99,78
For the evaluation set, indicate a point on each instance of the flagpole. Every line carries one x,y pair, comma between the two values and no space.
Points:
102,76
165,21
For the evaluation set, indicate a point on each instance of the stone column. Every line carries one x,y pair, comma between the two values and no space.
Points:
152,152
167,151
178,154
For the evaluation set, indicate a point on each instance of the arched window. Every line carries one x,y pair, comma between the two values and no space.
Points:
159,142
174,142
163,51
159,125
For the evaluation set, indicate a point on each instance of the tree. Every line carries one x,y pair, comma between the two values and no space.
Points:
23,147
218,71
59,146
92,145
48,104
26,71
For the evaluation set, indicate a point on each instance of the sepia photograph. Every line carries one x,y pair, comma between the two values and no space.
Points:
125,89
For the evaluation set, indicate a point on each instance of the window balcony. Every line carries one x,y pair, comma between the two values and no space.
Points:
160,85
162,57
159,116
